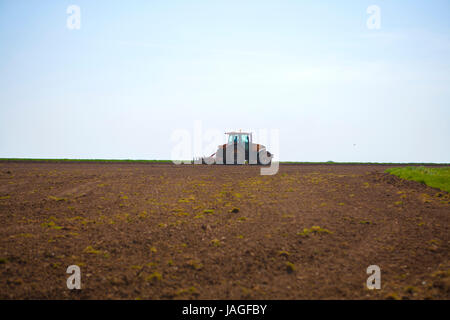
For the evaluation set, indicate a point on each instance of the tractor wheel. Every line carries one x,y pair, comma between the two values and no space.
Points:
264,158
220,156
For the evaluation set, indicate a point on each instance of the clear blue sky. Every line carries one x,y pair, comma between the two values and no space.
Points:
138,70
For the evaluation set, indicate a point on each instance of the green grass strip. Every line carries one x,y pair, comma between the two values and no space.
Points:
433,177
85,160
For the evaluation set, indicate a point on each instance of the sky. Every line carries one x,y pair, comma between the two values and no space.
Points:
137,72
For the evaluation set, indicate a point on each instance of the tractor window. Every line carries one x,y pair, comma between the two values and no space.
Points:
244,138
233,139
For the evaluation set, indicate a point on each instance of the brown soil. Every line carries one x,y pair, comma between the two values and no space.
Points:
155,231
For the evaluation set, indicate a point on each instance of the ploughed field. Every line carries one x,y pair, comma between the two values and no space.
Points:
161,231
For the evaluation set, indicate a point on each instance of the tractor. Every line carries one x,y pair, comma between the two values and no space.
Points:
239,149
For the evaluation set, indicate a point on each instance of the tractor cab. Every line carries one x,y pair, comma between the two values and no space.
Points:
239,137
243,139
